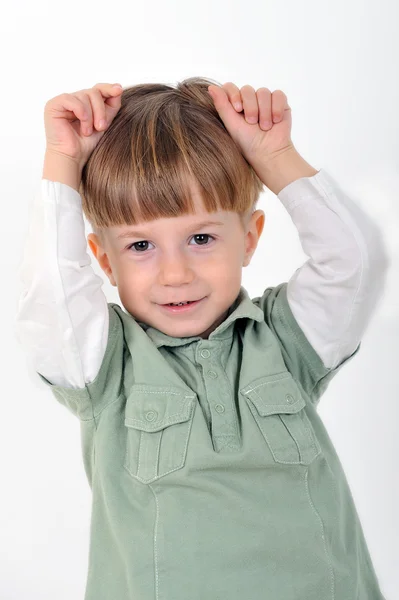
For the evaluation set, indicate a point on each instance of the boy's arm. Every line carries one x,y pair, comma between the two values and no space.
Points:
334,294
320,315
62,319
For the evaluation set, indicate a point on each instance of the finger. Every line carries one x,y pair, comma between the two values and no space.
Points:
99,120
250,104
108,90
86,124
78,108
222,104
113,98
279,103
264,96
100,112
234,95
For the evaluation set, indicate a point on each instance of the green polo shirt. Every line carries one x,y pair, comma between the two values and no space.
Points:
212,474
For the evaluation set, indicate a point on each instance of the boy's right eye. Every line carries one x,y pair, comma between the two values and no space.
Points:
136,243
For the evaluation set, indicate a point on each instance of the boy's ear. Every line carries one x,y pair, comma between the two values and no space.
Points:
254,231
99,252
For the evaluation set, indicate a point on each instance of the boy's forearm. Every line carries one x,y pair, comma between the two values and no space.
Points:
278,172
60,168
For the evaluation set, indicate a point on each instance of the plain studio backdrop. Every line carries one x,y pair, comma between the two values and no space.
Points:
338,64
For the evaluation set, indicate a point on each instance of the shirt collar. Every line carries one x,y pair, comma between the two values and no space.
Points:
242,308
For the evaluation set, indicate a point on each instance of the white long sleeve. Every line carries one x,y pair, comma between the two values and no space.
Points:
62,317
334,294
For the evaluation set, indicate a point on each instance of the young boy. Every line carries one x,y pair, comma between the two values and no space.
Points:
212,474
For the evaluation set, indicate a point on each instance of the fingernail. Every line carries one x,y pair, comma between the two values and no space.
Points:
276,119
238,105
117,85
102,123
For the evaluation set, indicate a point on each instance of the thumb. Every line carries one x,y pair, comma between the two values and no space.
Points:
230,117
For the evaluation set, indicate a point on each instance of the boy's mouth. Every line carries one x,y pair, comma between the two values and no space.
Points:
182,306
179,303
183,302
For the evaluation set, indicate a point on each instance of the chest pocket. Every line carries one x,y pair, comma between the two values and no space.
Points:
158,421
277,405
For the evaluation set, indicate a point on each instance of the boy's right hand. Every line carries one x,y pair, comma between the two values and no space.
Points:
72,121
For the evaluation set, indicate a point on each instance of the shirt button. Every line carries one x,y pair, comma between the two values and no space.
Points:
205,353
212,374
289,398
219,408
151,415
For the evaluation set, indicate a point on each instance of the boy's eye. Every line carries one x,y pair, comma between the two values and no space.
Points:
136,244
202,235
141,249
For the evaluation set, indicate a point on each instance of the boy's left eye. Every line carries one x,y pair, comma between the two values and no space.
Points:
198,235
206,235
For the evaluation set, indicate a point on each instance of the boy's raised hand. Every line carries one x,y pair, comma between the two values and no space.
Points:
262,139
73,121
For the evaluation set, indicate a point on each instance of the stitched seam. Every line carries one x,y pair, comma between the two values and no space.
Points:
160,392
168,420
269,443
322,534
139,454
267,382
234,408
155,544
156,477
279,405
163,392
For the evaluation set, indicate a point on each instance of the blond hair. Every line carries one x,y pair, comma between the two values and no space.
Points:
161,137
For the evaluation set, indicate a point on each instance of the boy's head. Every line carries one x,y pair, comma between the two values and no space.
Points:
164,167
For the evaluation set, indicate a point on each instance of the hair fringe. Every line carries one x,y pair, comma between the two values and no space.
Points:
163,139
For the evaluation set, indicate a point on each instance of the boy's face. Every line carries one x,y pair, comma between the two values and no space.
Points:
176,259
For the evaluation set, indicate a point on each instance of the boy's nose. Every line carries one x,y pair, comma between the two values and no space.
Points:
175,271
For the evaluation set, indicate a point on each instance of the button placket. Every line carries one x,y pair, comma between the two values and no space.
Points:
205,353
223,411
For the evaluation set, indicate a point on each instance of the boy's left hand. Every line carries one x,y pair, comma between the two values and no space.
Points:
257,141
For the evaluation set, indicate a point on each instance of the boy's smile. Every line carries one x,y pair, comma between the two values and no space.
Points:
182,306
196,257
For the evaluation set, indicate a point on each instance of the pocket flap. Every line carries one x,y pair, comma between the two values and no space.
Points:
273,394
152,407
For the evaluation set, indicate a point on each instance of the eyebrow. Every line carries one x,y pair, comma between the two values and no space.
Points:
133,233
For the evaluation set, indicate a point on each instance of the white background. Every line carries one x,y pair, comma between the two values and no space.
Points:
338,63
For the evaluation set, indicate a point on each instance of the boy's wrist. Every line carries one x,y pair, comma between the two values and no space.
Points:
283,169
61,168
